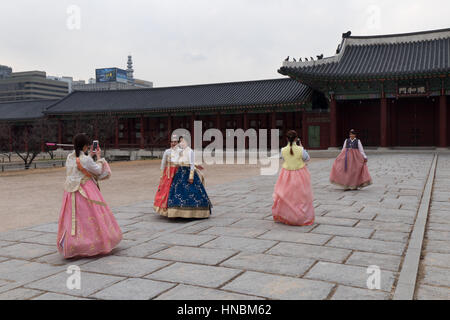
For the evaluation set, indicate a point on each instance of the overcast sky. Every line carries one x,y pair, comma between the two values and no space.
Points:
180,42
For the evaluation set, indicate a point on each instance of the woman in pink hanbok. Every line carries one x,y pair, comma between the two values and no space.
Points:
350,167
86,225
293,196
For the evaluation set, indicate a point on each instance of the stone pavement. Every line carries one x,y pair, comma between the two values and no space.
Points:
434,274
240,253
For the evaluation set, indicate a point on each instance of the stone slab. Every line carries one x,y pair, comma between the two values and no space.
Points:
384,261
368,245
90,283
350,293
266,263
241,244
310,252
298,237
133,289
200,275
124,266
26,251
348,275
186,292
279,287
194,255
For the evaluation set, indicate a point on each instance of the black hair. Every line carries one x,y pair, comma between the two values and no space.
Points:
291,136
353,131
79,142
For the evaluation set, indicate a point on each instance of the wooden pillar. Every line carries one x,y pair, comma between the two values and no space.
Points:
273,122
192,130
383,122
116,136
60,129
169,127
333,122
443,120
304,139
245,120
96,130
142,140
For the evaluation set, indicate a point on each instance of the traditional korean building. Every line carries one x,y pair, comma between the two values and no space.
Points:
144,118
392,89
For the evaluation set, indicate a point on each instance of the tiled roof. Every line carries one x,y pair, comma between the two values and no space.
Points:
185,98
391,56
23,110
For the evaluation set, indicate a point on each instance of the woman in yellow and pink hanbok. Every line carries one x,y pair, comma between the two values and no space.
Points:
86,225
293,196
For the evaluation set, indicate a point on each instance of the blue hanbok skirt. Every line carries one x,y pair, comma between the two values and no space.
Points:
187,200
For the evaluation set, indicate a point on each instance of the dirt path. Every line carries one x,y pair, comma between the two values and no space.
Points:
34,197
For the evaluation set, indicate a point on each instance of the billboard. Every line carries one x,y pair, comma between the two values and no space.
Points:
110,75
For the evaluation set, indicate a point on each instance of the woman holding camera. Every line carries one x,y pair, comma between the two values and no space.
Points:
86,225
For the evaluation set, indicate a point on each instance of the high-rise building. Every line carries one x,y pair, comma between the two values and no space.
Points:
31,85
130,70
5,72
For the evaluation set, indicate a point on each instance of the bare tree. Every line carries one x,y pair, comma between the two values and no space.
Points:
4,140
28,140
106,129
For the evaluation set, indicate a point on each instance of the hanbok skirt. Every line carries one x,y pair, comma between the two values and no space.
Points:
95,229
162,195
293,198
188,200
350,171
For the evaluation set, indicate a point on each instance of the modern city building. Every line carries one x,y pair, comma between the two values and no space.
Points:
5,72
31,85
392,89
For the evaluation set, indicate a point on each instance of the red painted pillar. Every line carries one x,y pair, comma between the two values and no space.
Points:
383,122
245,120
274,120
443,120
59,131
142,142
304,139
116,136
192,129
333,122
96,129
169,127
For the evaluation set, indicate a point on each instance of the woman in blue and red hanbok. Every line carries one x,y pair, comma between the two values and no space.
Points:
168,169
350,167
187,195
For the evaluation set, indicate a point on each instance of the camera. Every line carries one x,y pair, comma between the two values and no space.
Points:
95,145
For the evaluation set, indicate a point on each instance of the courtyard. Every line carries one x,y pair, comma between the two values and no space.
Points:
399,225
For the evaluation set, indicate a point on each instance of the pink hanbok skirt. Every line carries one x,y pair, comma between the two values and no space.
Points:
353,176
96,229
293,198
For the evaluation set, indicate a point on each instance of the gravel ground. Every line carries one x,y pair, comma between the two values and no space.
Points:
34,197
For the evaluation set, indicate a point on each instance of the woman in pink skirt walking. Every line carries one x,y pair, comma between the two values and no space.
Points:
350,167
293,196
86,225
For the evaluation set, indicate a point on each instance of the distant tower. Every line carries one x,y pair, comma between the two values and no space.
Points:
130,70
